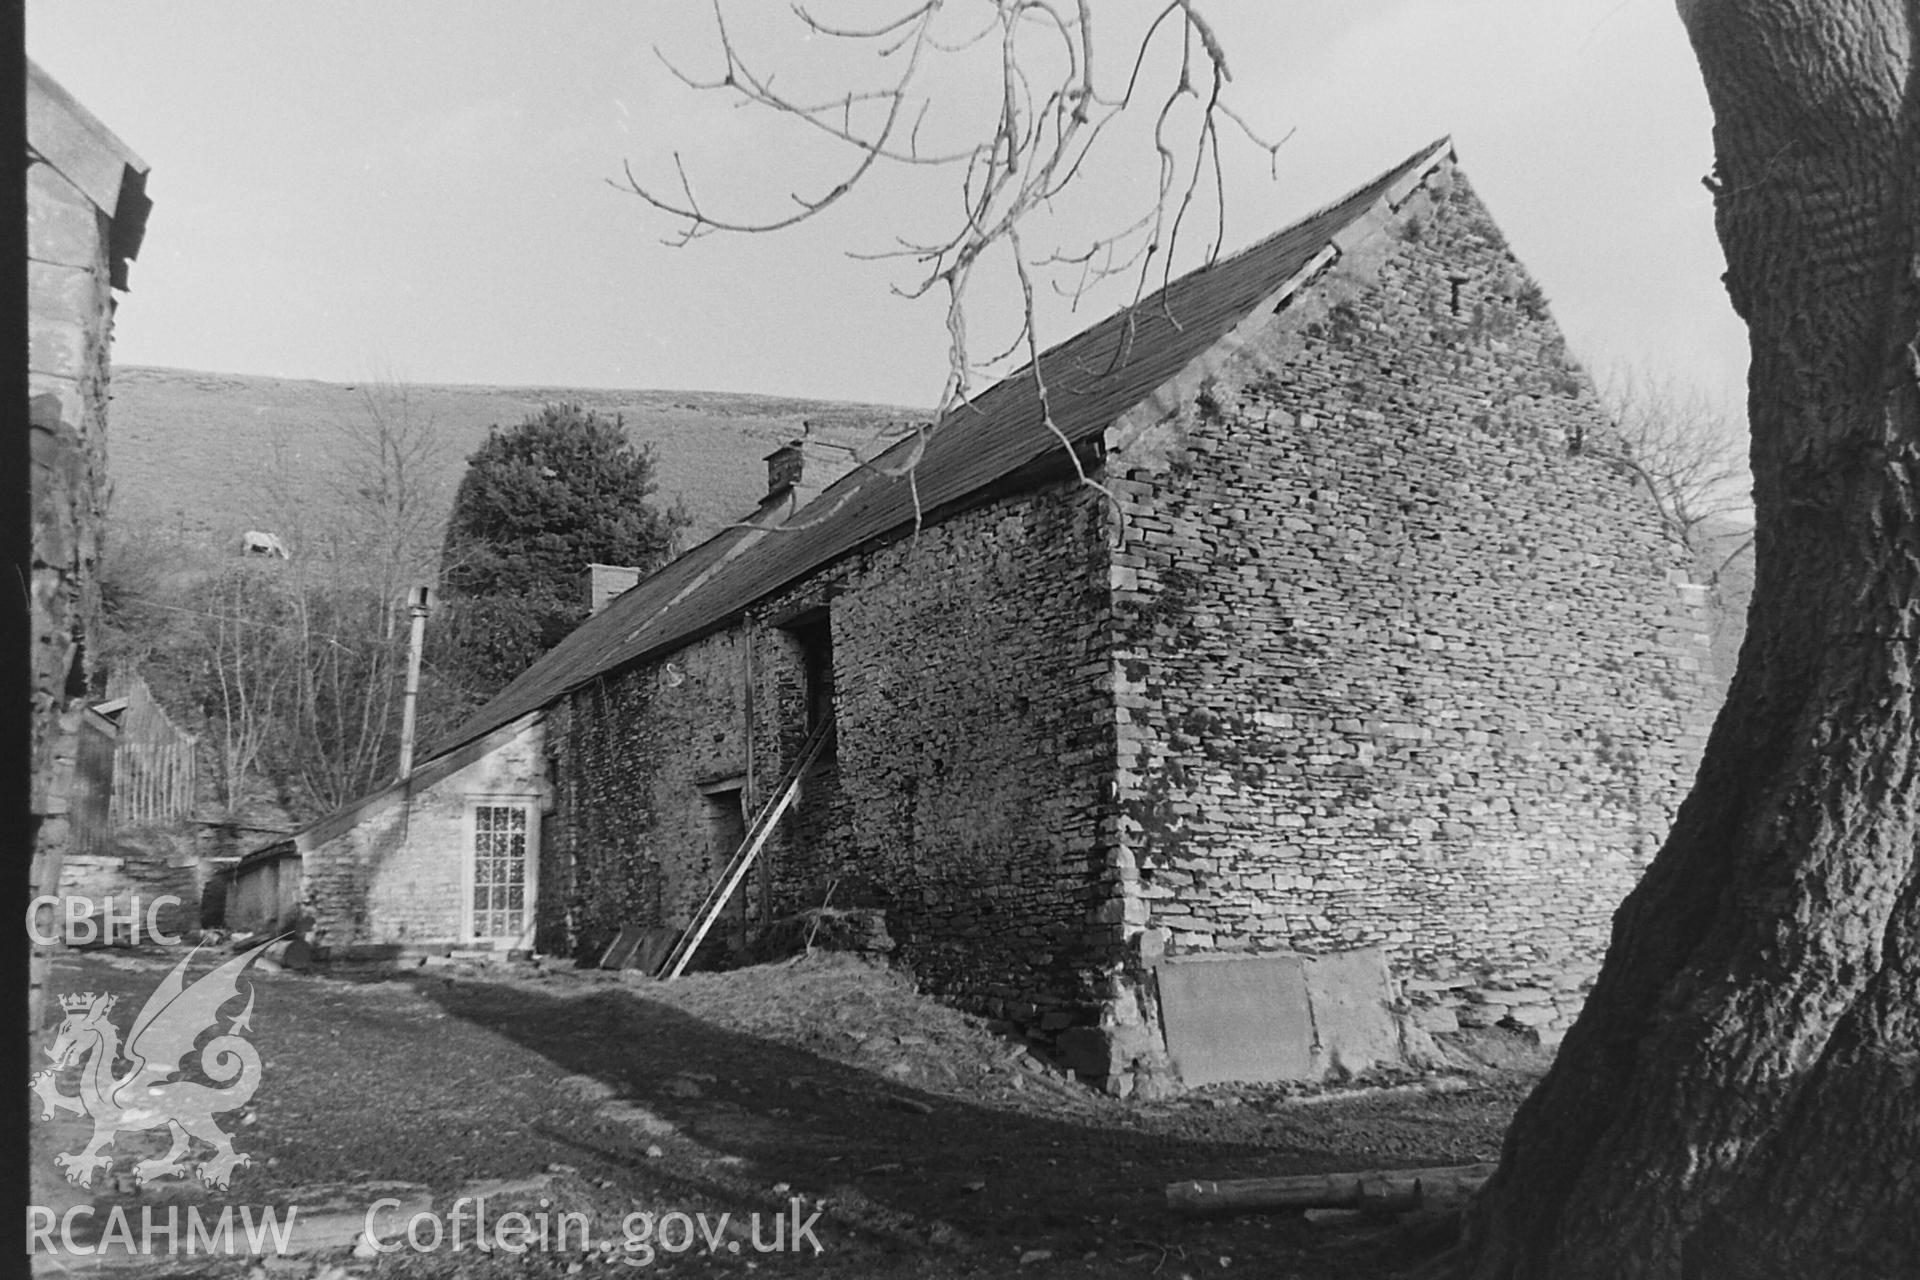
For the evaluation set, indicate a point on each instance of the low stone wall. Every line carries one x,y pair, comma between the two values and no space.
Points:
1540,999
144,863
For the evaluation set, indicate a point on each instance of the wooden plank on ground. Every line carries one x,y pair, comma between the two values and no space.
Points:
620,951
655,944
1373,1190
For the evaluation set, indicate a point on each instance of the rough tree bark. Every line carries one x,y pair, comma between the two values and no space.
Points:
1741,1097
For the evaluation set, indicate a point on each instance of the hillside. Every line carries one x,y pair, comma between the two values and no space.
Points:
207,456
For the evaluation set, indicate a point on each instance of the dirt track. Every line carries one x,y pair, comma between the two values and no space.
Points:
928,1145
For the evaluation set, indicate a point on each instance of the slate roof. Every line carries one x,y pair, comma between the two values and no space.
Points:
998,441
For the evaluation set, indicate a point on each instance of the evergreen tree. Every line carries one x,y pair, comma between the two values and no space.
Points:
538,503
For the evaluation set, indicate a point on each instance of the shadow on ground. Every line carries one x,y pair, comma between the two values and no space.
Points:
753,1122
589,1095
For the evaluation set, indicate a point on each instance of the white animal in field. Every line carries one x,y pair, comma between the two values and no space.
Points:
256,543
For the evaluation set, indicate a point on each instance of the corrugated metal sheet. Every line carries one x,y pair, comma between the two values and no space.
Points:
1091,380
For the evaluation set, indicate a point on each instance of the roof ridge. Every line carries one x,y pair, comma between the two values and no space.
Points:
1093,378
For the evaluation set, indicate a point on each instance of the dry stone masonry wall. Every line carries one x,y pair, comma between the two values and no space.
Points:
657,768
1541,1000
976,747
1397,660
964,792
636,748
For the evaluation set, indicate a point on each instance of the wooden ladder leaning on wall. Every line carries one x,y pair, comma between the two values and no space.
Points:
763,823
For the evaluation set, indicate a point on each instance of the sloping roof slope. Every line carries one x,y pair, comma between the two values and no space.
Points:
345,819
1091,380
71,138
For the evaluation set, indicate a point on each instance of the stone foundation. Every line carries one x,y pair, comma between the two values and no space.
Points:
1540,999
143,863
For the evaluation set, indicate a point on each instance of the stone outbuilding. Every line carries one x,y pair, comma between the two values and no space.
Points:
442,859
1327,627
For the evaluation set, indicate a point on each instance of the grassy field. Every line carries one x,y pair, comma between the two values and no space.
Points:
204,457
207,456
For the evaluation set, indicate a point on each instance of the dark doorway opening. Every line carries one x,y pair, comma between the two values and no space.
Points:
814,635
726,814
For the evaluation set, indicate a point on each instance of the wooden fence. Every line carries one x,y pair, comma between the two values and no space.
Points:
134,766
152,781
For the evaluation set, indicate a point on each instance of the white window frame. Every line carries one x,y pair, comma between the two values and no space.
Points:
530,807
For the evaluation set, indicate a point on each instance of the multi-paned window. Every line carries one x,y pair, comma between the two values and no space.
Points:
499,870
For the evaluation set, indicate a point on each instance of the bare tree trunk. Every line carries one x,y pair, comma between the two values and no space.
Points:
1741,1097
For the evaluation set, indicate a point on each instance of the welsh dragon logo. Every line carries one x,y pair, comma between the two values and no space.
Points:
146,1097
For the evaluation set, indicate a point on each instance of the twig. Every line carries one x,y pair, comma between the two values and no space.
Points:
1047,116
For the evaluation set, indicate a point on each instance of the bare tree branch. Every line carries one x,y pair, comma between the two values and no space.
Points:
1048,114
1688,450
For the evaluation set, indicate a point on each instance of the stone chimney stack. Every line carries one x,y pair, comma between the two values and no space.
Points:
800,469
785,466
605,581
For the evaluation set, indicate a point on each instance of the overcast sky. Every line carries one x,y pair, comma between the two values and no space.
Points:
421,187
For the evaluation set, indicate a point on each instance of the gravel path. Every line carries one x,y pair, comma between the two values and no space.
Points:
926,1144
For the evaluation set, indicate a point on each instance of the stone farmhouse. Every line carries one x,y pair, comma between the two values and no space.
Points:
1350,636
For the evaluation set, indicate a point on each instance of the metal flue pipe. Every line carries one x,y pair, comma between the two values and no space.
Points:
419,604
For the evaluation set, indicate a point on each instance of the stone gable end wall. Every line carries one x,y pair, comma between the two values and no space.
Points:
1397,662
